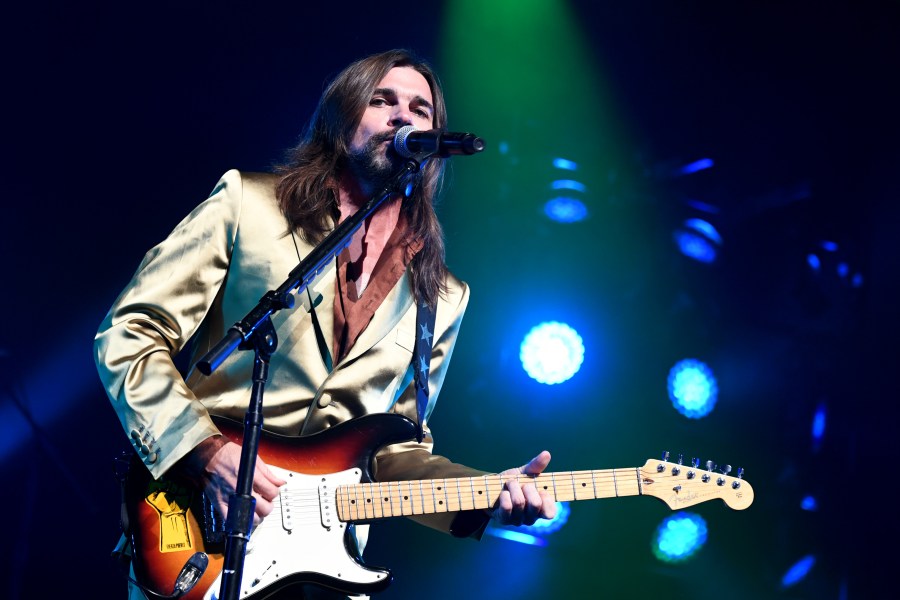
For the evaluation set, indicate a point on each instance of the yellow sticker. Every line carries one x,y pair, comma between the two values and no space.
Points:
172,504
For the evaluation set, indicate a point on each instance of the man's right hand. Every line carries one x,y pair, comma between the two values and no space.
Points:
214,465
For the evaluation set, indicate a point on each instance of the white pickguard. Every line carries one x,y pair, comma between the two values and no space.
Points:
301,535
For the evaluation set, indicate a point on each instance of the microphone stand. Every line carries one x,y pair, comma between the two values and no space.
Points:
255,331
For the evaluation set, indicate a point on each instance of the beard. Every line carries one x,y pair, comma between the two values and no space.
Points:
373,165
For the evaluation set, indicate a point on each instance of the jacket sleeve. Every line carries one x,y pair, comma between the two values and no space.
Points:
411,460
152,320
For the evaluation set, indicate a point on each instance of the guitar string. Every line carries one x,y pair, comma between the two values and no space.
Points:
390,509
305,501
395,489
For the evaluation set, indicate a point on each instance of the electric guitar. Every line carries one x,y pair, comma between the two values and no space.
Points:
306,538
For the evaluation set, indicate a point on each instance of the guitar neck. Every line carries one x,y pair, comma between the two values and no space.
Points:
368,501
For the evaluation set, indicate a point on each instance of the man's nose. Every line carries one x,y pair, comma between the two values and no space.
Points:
401,116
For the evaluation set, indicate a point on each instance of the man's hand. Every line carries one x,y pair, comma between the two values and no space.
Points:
524,504
214,466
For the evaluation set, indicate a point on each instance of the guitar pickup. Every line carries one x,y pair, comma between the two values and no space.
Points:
287,517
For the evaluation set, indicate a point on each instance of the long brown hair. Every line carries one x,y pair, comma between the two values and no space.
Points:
307,189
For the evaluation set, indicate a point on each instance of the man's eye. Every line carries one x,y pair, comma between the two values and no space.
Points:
423,113
377,102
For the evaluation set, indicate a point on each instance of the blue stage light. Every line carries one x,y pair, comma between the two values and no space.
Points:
698,239
544,527
551,352
566,210
565,164
798,571
692,388
534,535
809,503
679,537
704,228
568,184
516,536
696,247
703,206
814,262
818,425
697,165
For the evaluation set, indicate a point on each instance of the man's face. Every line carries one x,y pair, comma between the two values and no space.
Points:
402,98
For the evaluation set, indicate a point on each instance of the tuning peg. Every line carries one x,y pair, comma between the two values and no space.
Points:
676,470
726,469
695,462
740,476
710,465
665,455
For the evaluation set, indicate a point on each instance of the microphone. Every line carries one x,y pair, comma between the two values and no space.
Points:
410,142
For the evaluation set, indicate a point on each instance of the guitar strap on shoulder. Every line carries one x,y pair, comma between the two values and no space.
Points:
425,316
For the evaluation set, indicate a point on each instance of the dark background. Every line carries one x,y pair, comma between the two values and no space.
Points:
121,117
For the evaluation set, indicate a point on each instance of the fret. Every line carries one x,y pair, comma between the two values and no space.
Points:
580,481
404,509
378,499
365,502
441,503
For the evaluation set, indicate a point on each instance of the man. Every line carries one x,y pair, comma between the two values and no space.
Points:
345,350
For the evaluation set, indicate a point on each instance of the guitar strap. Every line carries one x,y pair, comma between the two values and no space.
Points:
425,317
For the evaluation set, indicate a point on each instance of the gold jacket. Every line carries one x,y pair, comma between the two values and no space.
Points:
210,271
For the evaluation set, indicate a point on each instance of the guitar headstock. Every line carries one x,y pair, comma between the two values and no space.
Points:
680,486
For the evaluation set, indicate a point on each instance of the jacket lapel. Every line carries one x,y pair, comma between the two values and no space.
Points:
395,305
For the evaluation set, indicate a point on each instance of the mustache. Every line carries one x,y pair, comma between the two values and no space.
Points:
385,136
